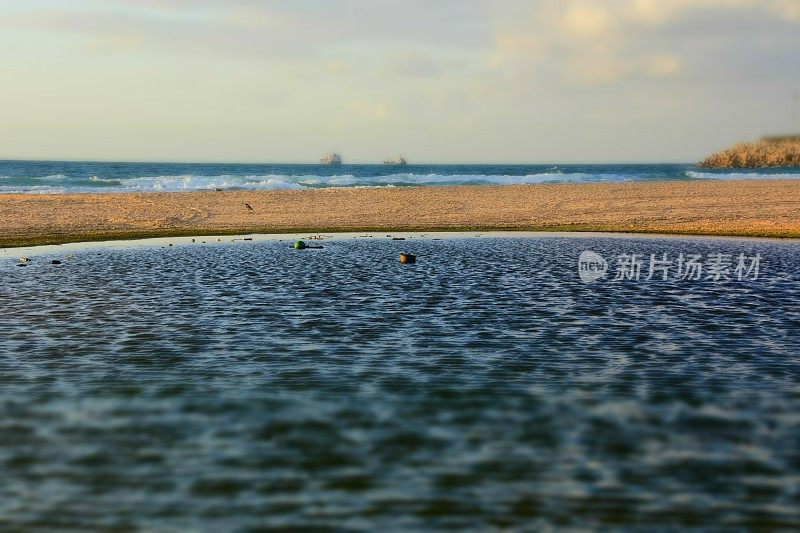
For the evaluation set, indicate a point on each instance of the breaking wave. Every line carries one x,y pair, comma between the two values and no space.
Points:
741,175
61,177
195,182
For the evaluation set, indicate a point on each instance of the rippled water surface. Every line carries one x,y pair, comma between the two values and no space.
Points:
242,385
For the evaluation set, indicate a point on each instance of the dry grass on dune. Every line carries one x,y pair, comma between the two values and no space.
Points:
768,152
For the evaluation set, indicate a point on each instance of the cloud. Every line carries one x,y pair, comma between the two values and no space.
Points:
451,75
606,42
280,37
663,65
411,62
663,11
787,9
336,66
373,111
587,20
252,28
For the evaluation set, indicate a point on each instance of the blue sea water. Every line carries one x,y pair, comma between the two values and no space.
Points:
61,176
246,385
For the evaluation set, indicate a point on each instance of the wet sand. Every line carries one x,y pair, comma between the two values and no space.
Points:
733,208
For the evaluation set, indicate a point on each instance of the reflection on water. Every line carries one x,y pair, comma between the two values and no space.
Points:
251,385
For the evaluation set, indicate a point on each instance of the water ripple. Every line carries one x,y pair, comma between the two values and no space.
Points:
251,385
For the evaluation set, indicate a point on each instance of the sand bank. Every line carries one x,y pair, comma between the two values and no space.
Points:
732,208
321,238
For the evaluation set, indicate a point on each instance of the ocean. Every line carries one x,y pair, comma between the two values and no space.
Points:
61,176
246,385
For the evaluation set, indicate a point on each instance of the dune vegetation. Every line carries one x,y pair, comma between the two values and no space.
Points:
767,152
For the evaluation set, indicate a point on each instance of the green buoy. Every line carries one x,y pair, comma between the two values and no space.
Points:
299,245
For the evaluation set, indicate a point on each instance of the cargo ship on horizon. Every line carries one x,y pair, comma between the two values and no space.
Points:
331,158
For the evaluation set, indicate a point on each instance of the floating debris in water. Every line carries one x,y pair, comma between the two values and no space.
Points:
24,259
408,258
57,262
300,245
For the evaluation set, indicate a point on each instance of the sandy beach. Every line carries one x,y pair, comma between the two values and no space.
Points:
733,208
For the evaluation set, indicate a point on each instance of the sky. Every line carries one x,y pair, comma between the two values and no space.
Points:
536,81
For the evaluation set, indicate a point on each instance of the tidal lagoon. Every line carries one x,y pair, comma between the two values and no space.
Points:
241,385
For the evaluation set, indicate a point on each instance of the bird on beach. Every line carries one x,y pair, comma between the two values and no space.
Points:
248,207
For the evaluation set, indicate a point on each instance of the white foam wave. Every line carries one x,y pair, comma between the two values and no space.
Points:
502,179
740,175
460,179
195,182
51,177
33,189
190,182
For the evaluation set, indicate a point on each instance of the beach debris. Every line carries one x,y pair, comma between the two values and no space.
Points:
247,239
300,245
55,262
398,238
24,259
217,189
192,240
408,258
22,264
170,244
248,207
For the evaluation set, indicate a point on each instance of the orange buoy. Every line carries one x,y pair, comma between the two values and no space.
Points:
408,258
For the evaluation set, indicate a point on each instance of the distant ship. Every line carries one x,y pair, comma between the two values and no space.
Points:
331,158
398,160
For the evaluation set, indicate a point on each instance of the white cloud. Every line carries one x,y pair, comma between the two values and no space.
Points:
475,79
414,63
663,65
374,111
787,9
604,42
588,20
